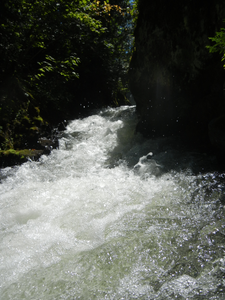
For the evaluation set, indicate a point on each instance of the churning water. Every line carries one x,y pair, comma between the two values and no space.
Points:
110,215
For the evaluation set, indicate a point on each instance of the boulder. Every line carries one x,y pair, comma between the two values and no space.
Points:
176,84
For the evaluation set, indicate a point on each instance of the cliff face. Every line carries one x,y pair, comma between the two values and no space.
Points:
176,84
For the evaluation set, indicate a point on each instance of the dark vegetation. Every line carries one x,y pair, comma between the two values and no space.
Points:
58,60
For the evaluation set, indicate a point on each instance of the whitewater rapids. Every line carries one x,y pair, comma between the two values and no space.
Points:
111,215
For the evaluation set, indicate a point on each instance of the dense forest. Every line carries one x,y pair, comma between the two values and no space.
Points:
58,60
61,59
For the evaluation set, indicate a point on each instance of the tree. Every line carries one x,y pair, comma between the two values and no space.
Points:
219,44
63,55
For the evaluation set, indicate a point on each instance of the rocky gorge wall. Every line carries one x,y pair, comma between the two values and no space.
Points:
176,84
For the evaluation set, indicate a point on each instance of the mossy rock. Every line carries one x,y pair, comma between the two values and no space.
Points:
13,157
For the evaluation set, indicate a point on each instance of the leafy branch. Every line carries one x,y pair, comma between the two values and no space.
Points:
219,44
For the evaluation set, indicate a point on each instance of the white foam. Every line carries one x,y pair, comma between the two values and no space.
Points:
62,218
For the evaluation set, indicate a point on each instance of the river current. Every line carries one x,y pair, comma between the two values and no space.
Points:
111,215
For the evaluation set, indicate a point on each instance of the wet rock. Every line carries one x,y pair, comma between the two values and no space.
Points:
176,84
217,137
48,144
14,157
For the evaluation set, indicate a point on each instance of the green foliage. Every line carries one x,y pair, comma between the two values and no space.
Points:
42,37
219,44
134,11
22,124
32,28
60,56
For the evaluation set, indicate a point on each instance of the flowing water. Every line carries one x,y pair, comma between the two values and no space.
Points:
111,215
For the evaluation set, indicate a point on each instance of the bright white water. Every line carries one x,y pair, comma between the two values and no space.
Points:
112,216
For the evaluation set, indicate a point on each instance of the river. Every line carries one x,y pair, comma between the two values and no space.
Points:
111,215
